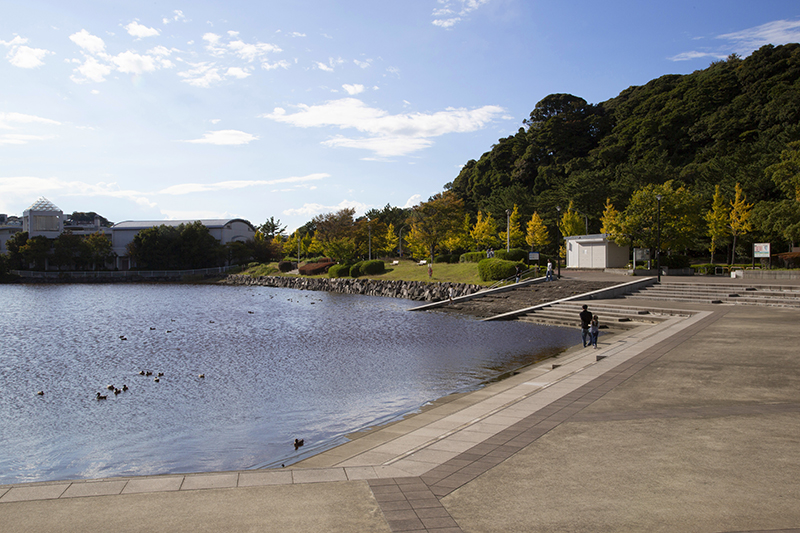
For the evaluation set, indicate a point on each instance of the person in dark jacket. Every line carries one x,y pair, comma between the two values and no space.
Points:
586,321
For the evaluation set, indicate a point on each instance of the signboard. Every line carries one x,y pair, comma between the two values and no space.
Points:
533,256
761,250
641,254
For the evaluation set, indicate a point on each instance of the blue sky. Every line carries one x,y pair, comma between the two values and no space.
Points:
258,109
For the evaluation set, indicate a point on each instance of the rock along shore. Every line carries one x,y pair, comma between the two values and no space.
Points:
410,290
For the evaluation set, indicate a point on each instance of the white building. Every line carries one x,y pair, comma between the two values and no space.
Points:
225,230
595,251
44,218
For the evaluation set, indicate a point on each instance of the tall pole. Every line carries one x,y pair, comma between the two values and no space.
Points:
369,226
508,230
400,242
558,243
658,240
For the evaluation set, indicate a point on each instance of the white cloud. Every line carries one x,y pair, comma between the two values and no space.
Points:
139,30
746,41
387,134
236,72
92,70
688,56
88,42
188,188
315,209
250,52
7,120
454,11
278,64
22,138
201,75
414,200
23,56
176,16
25,186
297,34
363,64
353,89
172,214
776,32
225,138
131,63
330,65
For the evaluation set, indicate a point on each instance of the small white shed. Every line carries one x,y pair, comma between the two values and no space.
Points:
595,251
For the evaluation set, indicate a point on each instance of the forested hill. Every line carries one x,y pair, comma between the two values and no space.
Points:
722,125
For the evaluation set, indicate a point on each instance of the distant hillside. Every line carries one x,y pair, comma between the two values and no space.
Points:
722,125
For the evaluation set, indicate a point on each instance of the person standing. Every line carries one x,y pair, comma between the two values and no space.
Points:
549,275
430,271
594,330
586,321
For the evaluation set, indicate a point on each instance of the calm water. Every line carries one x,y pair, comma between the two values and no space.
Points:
278,364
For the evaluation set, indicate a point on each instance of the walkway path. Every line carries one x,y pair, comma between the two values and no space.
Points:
688,425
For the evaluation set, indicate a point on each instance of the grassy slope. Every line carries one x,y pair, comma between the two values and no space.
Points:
405,271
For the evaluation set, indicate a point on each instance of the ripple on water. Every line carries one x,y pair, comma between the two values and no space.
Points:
278,364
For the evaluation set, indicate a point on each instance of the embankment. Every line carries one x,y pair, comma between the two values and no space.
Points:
410,290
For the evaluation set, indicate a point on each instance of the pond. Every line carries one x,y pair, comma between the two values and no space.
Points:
277,364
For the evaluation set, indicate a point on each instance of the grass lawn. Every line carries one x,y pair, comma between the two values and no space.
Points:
404,271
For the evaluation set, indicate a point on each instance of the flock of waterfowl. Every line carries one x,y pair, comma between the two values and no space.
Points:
116,391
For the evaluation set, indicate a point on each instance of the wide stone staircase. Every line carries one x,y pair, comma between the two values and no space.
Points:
611,317
721,293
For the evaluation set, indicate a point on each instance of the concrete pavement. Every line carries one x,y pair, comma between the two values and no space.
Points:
688,425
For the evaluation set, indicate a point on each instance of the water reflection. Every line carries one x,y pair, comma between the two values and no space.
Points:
278,364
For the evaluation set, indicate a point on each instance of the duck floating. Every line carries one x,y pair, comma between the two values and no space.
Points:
298,443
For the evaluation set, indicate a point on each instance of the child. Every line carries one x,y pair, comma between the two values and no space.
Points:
594,329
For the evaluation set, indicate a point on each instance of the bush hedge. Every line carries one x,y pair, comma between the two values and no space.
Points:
372,268
472,257
514,254
496,269
313,269
286,266
339,271
445,258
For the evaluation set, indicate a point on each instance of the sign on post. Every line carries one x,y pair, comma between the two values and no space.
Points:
533,256
761,250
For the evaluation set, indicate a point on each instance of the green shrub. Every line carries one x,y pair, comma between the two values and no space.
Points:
447,258
496,269
355,270
372,268
339,271
286,266
472,257
514,254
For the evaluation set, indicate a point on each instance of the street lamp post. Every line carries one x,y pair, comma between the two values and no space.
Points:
400,242
508,230
658,238
558,243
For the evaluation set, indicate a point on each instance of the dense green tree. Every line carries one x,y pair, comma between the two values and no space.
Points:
99,249
271,228
433,221
36,251
14,246
717,221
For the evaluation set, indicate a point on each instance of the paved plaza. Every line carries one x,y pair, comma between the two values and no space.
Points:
692,424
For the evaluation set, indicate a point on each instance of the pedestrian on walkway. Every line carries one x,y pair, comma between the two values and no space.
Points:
586,321
518,272
549,275
594,330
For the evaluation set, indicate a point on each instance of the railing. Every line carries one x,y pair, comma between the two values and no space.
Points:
120,274
531,272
